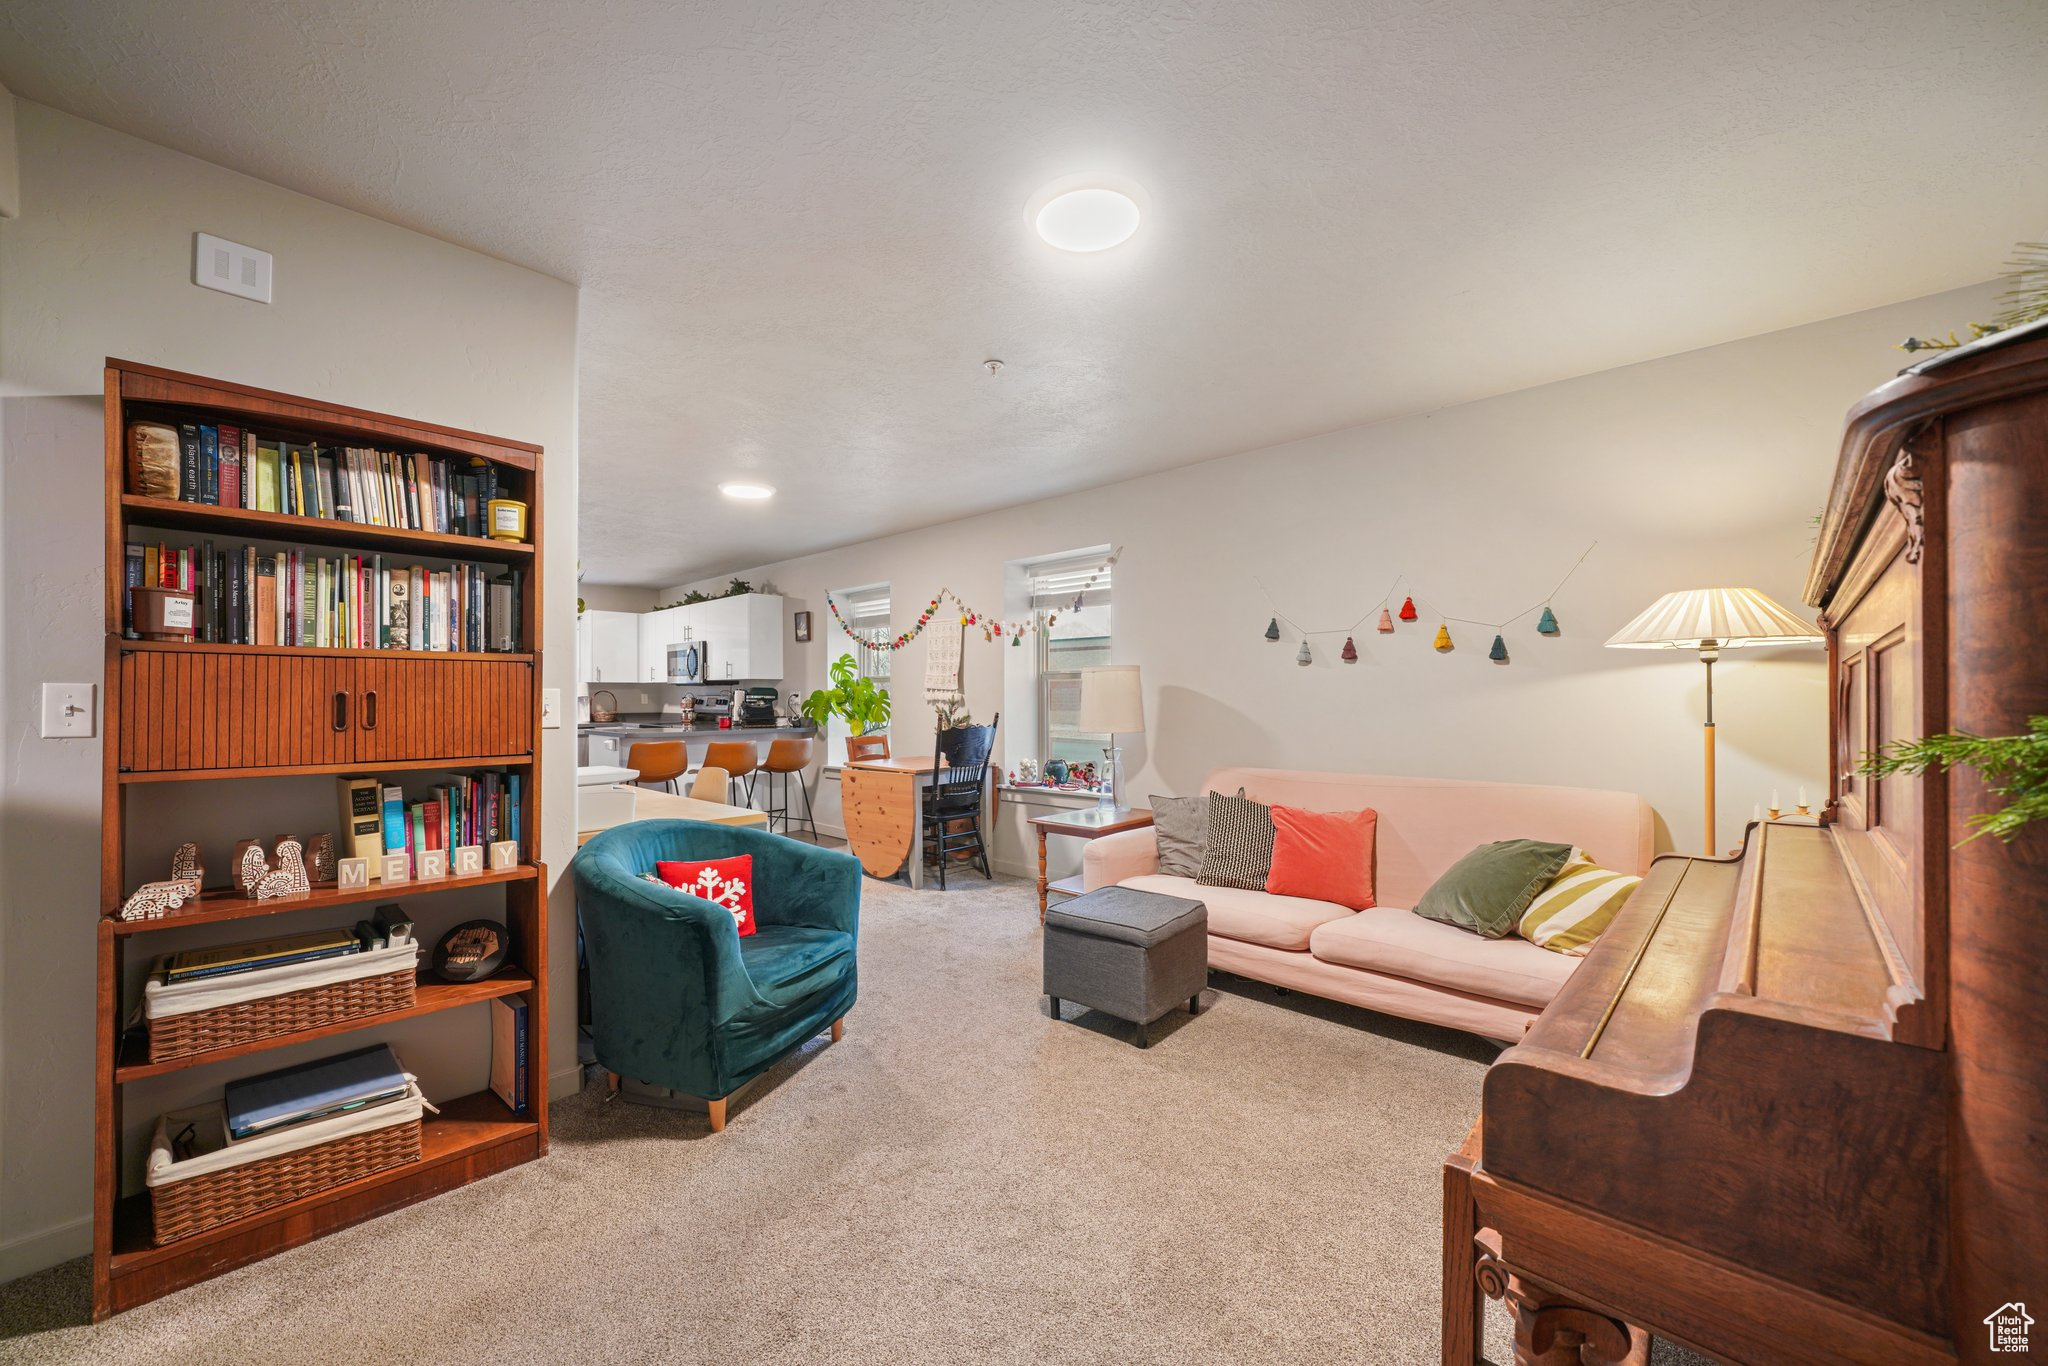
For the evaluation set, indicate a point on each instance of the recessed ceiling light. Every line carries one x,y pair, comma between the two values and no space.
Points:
1090,218
750,492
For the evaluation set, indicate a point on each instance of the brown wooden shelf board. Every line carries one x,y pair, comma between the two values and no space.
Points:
467,1128
222,904
138,511
193,775
429,997
325,651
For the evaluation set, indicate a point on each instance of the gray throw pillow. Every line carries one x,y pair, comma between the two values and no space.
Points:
1487,890
1240,848
1182,827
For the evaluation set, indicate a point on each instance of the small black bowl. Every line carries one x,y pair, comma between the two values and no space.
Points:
472,951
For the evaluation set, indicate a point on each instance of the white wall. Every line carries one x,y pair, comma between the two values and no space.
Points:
1696,470
99,264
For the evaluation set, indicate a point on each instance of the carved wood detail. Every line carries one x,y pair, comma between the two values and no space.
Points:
1905,491
1551,1330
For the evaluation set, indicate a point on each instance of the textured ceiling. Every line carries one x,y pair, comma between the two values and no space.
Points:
799,228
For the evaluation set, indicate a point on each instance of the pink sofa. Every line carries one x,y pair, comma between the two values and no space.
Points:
1388,958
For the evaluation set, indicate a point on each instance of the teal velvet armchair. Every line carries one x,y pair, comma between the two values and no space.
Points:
677,998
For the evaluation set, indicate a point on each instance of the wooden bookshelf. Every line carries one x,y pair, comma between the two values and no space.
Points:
183,712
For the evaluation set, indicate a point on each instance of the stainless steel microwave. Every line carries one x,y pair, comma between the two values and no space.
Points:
686,662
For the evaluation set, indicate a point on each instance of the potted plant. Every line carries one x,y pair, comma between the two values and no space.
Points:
863,704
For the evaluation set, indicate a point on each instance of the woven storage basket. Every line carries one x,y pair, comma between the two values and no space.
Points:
175,1036
188,1207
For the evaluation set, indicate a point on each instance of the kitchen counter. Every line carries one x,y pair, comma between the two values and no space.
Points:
699,730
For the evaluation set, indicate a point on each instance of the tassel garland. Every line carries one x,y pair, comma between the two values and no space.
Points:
1302,655
1408,610
1273,629
1546,625
1443,637
1350,652
1499,653
1386,621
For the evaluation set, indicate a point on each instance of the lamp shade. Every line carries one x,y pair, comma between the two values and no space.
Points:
1702,617
1111,700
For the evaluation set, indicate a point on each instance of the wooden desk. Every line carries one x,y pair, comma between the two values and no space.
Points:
650,805
1087,823
882,804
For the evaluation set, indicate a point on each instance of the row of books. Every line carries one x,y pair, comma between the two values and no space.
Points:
386,927
230,466
289,597
378,819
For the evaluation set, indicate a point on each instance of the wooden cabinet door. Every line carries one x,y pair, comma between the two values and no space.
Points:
186,710
442,709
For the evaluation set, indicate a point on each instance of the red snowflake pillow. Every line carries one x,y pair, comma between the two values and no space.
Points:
727,882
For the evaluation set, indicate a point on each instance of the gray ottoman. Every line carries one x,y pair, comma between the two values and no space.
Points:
1131,954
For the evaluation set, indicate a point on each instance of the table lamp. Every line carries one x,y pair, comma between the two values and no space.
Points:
1711,620
1111,702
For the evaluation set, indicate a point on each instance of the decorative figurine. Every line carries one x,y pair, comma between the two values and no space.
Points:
471,951
320,858
152,900
185,866
290,878
1027,771
250,866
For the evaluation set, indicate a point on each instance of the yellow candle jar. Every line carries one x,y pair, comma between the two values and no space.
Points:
506,518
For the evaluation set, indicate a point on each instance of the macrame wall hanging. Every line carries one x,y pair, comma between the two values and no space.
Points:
1383,610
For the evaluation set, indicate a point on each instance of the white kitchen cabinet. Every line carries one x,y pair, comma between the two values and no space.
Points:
742,637
656,633
608,647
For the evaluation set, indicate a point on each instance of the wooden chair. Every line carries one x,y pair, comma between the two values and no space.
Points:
712,785
786,757
859,747
739,759
659,761
954,801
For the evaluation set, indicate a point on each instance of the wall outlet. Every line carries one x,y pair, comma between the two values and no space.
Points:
230,267
551,708
67,711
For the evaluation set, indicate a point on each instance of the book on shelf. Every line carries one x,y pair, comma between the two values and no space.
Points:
314,1090
264,953
509,1061
228,465
362,820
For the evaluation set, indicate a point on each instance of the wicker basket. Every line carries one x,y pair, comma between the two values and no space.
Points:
183,1208
177,1036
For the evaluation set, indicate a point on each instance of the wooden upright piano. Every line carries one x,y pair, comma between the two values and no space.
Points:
1794,1105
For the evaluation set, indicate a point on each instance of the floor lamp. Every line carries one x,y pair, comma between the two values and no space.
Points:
1711,620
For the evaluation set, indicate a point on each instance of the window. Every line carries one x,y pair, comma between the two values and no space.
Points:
866,612
1069,599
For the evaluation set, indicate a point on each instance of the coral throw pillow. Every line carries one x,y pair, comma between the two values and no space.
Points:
727,882
1324,855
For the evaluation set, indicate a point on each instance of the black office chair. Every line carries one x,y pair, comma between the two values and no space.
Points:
954,801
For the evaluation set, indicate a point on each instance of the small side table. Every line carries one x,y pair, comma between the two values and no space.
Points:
1088,823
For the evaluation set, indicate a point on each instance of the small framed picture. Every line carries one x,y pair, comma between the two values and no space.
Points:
803,626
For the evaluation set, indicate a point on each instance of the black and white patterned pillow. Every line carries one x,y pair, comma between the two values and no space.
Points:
1240,848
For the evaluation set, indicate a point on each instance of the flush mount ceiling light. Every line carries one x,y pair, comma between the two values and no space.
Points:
752,493
1086,213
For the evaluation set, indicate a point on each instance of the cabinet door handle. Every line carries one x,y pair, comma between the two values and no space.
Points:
370,710
341,709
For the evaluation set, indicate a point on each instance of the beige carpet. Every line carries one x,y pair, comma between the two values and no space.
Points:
961,1180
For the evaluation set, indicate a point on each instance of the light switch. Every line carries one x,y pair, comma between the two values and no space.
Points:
551,708
67,710
230,267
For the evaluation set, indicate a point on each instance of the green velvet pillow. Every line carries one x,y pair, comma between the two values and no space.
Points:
1487,890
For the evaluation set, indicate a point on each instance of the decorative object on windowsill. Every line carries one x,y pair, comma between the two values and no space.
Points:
1349,654
2014,767
1443,638
320,859
250,866
1113,703
163,613
1499,653
1027,771
472,951
1711,620
152,900
290,878
1056,772
1273,629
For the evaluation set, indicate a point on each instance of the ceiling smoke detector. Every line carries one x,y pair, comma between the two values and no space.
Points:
992,366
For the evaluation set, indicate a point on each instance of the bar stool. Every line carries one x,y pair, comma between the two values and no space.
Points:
786,757
739,759
712,785
659,761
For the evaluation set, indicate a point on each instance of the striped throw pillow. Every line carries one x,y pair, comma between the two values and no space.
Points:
1577,907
